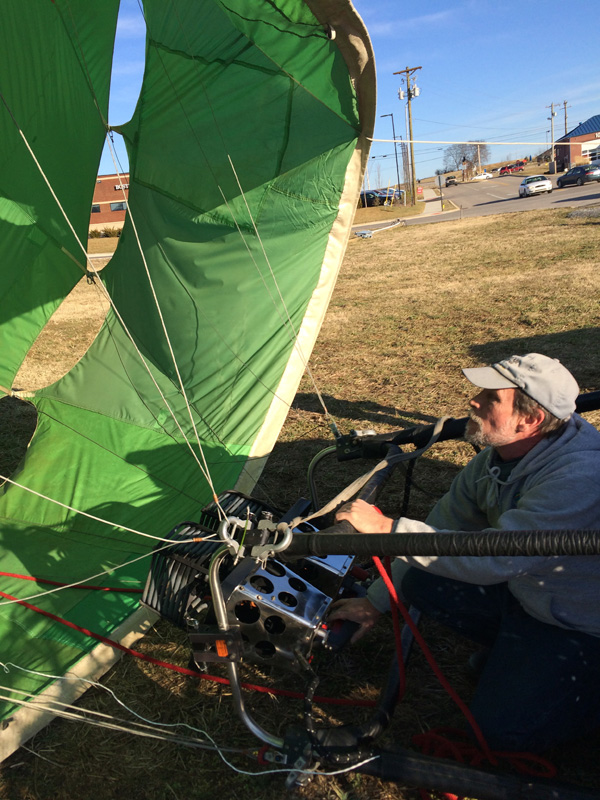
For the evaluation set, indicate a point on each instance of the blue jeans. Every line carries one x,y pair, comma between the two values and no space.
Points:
540,685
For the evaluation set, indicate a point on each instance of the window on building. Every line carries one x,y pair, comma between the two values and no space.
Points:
96,208
118,206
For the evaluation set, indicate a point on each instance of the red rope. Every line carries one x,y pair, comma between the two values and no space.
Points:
453,743
396,627
434,666
340,701
78,586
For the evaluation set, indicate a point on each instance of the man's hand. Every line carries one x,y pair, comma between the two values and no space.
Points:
365,518
356,609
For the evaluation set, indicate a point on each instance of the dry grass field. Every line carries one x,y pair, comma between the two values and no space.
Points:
412,306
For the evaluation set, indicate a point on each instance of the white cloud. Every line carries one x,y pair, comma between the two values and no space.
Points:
125,68
130,26
397,27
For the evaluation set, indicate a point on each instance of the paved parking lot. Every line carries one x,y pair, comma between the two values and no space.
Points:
501,195
495,196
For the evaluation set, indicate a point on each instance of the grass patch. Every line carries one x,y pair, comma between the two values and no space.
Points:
104,244
412,306
379,213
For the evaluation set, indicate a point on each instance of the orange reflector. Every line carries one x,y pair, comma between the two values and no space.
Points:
222,650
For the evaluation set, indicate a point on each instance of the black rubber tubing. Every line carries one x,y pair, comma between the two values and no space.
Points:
409,768
342,539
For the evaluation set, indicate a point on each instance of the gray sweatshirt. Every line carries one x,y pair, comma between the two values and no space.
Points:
554,486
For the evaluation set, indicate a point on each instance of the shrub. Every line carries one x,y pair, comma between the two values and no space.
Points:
111,232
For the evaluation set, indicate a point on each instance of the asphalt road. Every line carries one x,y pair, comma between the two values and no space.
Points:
501,196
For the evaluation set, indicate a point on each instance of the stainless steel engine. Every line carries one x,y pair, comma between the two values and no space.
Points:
274,610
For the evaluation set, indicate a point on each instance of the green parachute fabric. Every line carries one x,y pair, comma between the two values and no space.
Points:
247,150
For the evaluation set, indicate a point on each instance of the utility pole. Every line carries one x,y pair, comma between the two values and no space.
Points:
395,151
552,169
411,91
565,105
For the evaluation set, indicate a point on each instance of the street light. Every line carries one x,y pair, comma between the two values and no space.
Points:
395,153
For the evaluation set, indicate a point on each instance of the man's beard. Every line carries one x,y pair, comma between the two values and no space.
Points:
474,434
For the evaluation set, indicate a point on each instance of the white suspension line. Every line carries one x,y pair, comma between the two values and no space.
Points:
83,513
109,722
92,269
156,731
293,336
226,344
205,471
110,571
435,141
83,61
70,678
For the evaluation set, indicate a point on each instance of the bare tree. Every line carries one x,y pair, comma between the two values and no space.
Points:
458,156
478,152
453,157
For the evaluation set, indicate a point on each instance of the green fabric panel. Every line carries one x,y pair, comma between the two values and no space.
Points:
136,477
239,99
274,96
55,66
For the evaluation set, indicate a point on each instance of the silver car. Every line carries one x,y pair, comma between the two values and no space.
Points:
534,184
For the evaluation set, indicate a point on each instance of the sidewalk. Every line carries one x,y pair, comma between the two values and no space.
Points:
433,206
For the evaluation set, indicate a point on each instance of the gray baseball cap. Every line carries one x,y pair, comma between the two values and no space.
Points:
543,379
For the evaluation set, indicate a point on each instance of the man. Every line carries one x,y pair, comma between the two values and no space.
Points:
537,618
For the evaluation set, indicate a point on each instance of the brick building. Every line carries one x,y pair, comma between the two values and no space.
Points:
108,205
579,146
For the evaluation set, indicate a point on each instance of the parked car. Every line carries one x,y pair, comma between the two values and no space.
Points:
518,167
451,181
506,170
534,184
391,194
579,175
372,198
483,176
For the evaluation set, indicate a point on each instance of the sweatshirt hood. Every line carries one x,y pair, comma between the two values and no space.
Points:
577,435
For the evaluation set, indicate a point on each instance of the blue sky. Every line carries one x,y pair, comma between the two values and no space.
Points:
489,69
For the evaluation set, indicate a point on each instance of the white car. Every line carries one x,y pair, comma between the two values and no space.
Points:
485,176
534,184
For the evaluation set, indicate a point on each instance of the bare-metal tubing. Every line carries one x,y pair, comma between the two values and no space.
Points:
342,539
221,615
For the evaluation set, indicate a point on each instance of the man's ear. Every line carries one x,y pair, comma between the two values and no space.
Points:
531,422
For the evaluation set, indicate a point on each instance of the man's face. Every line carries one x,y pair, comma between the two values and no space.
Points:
492,418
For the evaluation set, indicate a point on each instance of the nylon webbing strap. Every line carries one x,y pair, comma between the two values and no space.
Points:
356,485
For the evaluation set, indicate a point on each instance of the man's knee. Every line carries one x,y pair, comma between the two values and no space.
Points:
430,592
472,610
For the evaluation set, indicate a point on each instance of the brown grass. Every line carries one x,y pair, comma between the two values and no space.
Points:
379,213
412,306
64,339
106,244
